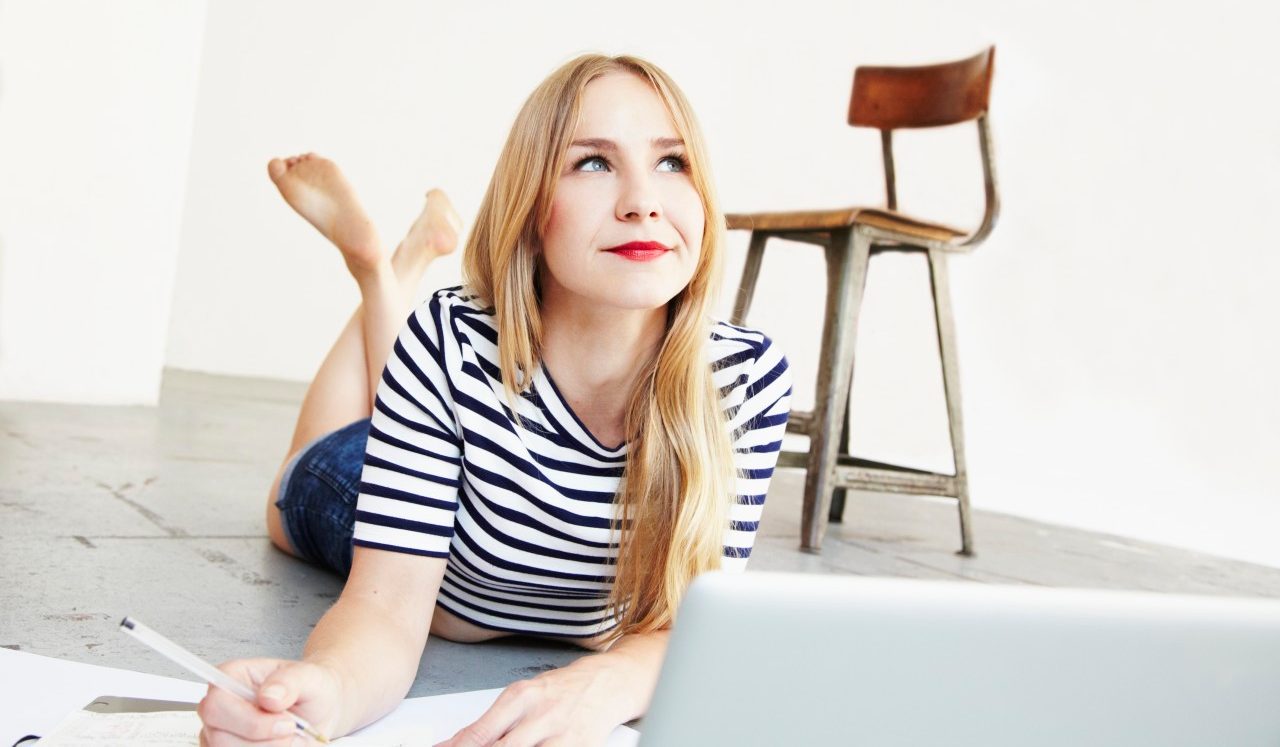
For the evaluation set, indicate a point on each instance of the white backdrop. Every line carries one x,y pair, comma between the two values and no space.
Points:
1116,331
96,103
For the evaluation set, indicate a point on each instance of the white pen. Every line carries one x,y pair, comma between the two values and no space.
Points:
205,671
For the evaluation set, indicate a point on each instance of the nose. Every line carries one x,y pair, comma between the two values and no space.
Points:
639,198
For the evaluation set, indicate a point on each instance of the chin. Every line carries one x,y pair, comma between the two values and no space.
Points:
640,299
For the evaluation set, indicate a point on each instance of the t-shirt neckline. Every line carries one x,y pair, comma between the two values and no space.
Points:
583,433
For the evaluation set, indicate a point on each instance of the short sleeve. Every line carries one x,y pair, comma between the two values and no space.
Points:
413,460
763,403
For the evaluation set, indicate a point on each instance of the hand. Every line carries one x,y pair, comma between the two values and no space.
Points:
568,707
308,690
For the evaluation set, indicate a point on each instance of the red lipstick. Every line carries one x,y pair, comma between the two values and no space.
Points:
639,251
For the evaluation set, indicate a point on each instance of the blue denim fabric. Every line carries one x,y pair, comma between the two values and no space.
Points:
317,498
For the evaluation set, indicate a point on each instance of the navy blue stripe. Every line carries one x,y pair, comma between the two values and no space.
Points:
400,549
533,604
409,525
373,461
382,491
761,449
444,433
461,567
406,446
457,612
589,622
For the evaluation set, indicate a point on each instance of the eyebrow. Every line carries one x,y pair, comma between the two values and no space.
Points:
608,145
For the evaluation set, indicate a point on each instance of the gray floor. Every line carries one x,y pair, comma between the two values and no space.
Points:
157,513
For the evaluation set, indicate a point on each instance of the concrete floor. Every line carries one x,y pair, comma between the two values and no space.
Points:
157,513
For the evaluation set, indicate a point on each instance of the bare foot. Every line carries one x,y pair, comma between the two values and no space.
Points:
317,190
433,234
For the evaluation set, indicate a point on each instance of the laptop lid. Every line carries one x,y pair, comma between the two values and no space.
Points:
790,659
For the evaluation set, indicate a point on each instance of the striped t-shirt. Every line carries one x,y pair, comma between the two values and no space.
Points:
523,511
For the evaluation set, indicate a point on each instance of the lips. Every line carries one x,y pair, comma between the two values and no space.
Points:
639,251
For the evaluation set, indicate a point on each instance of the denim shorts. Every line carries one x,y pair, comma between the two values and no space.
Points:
317,498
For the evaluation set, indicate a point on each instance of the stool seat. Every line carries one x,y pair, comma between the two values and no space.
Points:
826,220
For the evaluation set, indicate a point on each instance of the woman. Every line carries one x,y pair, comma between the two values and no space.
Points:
467,493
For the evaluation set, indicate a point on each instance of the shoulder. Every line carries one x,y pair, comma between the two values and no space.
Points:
746,363
746,351
457,300
454,314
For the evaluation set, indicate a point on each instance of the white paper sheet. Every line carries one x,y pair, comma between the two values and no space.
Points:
164,729
419,721
37,693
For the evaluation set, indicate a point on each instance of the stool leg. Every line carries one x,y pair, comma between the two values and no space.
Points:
750,271
951,383
838,495
847,257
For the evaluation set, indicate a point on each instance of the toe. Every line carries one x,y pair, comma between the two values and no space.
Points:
276,169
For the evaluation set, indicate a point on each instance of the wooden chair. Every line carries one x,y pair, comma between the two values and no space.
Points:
887,98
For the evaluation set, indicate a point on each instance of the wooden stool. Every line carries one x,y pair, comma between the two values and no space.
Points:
886,98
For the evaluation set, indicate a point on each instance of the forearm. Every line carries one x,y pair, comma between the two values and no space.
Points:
631,668
375,658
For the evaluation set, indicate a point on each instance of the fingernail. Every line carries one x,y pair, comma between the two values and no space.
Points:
283,727
275,692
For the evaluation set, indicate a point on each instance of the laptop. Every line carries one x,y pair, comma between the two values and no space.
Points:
789,659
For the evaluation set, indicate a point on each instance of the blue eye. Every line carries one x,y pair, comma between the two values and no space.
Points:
597,158
679,162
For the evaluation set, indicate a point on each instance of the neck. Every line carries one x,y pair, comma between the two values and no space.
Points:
596,354
600,350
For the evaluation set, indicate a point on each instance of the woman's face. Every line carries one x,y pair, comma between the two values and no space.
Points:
625,182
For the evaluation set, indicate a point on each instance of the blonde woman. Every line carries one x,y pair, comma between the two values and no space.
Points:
555,448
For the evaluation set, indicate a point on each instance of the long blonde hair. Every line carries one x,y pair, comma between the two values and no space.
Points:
673,502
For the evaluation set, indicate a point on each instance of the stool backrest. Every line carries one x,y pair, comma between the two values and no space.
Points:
890,98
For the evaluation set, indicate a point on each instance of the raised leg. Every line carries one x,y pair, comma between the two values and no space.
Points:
951,384
750,272
344,386
847,258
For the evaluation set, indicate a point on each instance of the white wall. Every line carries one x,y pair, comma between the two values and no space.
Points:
96,103
1116,331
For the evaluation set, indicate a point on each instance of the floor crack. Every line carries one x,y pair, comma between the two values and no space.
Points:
148,514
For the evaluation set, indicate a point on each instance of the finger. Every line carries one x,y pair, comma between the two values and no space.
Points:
281,689
230,713
528,733
495,722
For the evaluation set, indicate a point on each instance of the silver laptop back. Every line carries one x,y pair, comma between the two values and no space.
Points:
786,659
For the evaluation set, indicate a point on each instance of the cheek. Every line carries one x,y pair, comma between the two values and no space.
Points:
688,217
559,230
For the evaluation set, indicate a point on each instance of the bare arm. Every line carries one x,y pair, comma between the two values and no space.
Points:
357,664
374,635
